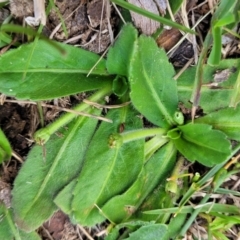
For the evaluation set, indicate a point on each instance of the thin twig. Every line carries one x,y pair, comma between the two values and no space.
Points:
16,156
119,14
62,109
47,232
85,232
104,53
183,69
105,106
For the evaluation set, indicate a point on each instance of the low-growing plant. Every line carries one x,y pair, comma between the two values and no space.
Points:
116,169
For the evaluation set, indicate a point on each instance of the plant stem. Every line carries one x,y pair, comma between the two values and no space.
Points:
172,184
42,135
153,145
141,133
193,216
40,112
199,75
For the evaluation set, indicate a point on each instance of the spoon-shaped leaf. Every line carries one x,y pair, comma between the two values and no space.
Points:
40,71
151,231
107,171
121,207
153,90
39,180
119,56
8,228
227,120
199,142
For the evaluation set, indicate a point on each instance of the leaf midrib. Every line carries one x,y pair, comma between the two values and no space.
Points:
56,70
202,145
162,108
54,165
104,183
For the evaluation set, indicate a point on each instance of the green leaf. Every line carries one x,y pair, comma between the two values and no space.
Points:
227,120
8,229
235,99
121,207
215,94
115,232
28,236
210,207
40,71
153,90
119,56
175,5
175,225
107,171
64,198
150,231
39,180
5,148
199,142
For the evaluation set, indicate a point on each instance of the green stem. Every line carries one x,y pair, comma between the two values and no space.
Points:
215,55
199,74
40,112
172,184
42,135
141,133
193,216
153,145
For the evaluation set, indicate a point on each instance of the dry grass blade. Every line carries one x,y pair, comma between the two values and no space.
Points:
62,109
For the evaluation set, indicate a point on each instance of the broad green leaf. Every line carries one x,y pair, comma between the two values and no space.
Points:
64,198
121,207
153,90
5,148
40,71
215,94
175,225
150,231
119,56
199,142
227,120
28,236
8,229
115,232
107,171
42,177
235,98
